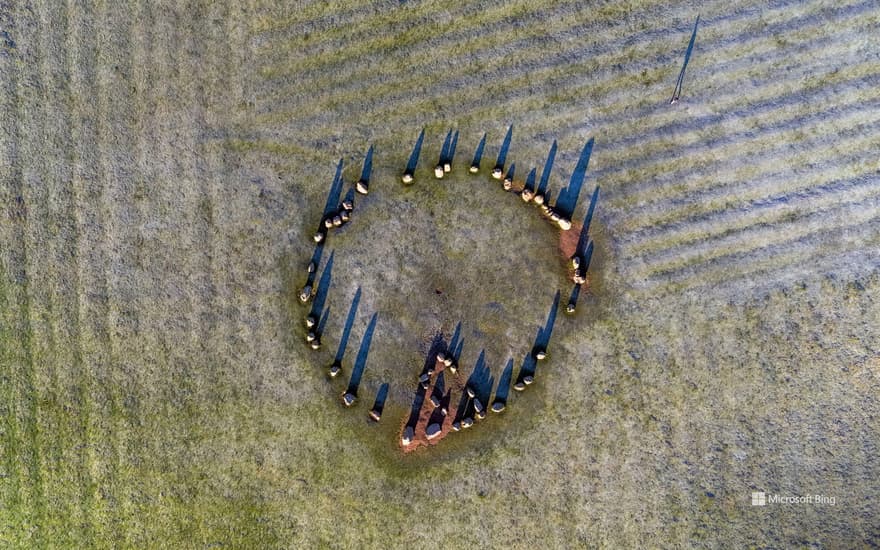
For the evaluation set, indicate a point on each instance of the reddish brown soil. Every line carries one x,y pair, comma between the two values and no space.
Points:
568,241
420,439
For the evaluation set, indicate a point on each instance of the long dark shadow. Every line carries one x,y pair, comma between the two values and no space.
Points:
414,411
544,339
319,329
379,403
508,177
323,289
464,410
588,219
583,268
545,174
450,154
438,416
480,384
527,370
456,335
539,349
502,153
438,345
330,206
503,389
334,193
336,367
478,155
447,143
676,93
349,198
568,196
414,156
363,184
308,289
360,363
573,299
438,390
530,181
456,353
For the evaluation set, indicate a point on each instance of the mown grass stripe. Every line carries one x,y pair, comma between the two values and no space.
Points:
595,64
835,131
122,210
674,184
136,366
687,221
82,58
855,221
306,11
345,84
532,45
840,251
751,186
714,136
762,221
112,170
14,512
397,34
536,103
61,430
671,157
529,34
670,173
31,495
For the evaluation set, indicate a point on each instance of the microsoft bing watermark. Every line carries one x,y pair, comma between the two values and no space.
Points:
760,498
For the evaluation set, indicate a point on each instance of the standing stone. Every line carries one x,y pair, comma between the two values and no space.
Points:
433,430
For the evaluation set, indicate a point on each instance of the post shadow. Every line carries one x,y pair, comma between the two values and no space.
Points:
676,93
379,403
568,196
539,348
450,154
586,257
315,342
530,182
527,370
438,345
413,162
332,201
456,354
584,237
307,291
434,427
444,151
478,155
349,198
438,390
409,429
440,169
363,184
502,154
453,340
545,174
336,367
503,389
360,364
464,410
479,384
323,289
544,335
508,178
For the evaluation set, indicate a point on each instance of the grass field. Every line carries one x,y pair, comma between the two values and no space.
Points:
163,166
